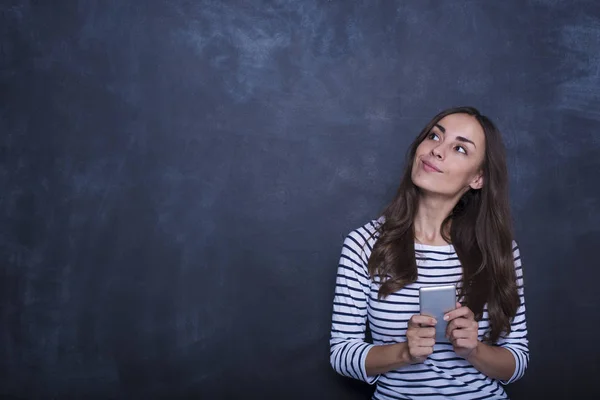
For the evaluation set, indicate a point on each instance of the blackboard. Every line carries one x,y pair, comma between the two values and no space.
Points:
177,177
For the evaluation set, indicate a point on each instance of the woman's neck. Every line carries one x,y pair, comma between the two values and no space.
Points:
431,213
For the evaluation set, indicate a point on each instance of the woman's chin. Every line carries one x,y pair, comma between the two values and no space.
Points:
425,185
431,189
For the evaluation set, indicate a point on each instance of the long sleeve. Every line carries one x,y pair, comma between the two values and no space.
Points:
348,349
517,341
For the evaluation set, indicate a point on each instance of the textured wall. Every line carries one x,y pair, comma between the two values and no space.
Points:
176,179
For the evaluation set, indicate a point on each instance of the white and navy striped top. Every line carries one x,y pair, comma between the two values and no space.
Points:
443,374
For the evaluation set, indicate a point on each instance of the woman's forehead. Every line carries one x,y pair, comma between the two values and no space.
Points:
462,125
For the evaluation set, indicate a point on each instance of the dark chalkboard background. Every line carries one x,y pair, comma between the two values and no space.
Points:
176,179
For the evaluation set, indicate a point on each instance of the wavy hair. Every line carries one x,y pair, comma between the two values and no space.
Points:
479,227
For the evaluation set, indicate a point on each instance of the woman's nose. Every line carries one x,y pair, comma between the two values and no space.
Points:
437,152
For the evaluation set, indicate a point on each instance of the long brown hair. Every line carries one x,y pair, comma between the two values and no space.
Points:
480,230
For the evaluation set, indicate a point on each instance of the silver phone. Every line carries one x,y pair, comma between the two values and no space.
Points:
435,301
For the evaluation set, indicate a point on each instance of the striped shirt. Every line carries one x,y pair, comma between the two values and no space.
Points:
443,373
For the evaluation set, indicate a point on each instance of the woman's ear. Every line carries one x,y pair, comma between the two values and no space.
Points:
477,183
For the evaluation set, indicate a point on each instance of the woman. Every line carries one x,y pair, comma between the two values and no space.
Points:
448,224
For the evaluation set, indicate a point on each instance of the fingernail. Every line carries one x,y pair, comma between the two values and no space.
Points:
446,317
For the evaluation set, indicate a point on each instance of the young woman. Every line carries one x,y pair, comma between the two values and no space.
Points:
448,224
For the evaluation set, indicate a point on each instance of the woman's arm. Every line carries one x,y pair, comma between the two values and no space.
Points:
516,342
348,349
506,361
420,339
493,361
386,357
350,355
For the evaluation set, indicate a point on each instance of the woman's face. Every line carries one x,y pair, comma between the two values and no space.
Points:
448,162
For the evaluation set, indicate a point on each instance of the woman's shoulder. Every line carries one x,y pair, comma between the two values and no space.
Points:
368,232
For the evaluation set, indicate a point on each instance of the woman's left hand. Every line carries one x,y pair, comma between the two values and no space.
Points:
462,330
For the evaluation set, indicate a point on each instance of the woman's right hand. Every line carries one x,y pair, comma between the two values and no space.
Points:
420,337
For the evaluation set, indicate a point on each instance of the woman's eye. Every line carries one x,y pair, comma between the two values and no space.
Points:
433,136
461,149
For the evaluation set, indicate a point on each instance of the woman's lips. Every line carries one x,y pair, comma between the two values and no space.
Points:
429,167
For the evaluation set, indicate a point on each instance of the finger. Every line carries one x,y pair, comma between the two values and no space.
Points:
426,333
421,351
460,323
417,359
461,334
426,351
426,342
421,355
464,343
451,328
421,320
454,324
462,311
418,333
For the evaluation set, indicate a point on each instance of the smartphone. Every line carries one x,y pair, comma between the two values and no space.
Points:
435,301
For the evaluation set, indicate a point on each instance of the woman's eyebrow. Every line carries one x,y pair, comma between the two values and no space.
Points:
459,138
465,140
